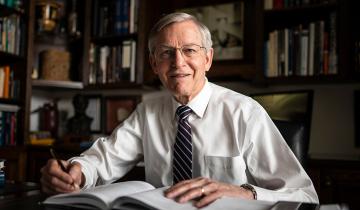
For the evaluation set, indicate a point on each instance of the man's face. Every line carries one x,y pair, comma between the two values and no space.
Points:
182,72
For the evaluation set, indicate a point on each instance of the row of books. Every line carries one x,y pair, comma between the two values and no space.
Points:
116,17
8,129
112,64
302,51
9,87
282,4
10,34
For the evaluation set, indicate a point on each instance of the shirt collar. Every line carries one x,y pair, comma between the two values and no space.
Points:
199,103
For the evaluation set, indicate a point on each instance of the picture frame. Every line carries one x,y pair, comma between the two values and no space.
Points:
94,110
117,109
226,25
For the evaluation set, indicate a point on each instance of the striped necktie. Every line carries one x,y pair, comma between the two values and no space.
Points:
182,162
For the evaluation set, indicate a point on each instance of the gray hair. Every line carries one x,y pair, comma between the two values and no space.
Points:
176,18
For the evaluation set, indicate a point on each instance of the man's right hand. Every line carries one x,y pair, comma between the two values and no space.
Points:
54,180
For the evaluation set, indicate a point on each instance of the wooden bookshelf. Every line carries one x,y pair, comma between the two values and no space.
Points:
287,17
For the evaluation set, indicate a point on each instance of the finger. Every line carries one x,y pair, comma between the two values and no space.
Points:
55,170
203,190
57,184
53,175
190,194
183,187
50,188
206,200
76,174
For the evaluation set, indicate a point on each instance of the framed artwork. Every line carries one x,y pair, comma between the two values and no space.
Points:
94,111
226,25
117,109
357,117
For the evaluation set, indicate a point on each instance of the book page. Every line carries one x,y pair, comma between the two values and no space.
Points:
100,196
155,199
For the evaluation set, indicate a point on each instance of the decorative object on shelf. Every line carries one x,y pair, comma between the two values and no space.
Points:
48,118
55,65
118,109
226,24
80,123
73,22
47,15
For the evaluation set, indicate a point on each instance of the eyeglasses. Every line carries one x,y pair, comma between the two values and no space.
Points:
187,51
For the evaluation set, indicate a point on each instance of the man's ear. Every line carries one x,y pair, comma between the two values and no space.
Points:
153,63
209,58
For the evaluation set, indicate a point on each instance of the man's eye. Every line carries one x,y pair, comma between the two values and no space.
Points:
166,53
189,50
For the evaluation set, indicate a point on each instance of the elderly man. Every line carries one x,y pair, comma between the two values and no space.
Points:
204,140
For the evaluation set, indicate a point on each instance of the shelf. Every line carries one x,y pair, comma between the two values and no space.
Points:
303,8
123,85
8,58
10,101
303,80
54,39
71,85
113,39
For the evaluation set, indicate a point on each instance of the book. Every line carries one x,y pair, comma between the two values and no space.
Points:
141,195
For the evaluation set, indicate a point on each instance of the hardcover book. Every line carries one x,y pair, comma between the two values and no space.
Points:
141,195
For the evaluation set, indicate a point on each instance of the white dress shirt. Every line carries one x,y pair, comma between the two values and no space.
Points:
234,141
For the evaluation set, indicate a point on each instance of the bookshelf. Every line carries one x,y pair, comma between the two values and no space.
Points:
113,50
13,72
308,42
15,19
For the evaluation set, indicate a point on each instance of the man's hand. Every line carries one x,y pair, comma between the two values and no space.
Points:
54,180
206,190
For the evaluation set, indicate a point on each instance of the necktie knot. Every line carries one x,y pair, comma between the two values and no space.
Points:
183,112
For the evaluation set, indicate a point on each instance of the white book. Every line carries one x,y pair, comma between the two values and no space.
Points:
142,195
104,54
9,108
304,43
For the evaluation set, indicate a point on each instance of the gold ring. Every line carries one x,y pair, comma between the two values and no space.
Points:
202,190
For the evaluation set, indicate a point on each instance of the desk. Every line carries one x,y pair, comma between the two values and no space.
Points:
17,196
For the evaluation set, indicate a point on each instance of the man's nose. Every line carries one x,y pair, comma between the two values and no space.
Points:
179,58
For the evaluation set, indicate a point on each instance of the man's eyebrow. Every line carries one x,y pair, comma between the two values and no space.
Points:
187,44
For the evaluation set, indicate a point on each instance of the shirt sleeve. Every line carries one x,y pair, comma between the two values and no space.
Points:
276,173
110,158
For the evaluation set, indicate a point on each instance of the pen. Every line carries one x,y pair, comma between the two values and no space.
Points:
53,154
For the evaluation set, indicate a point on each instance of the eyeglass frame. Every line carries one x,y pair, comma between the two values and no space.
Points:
174,49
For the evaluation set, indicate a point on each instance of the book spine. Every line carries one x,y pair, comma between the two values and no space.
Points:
311,48
304,52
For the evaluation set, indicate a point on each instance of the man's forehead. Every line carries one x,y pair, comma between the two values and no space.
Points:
186,32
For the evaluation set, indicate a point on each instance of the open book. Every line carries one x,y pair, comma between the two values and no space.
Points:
141,195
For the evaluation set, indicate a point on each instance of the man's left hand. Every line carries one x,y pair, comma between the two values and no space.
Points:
206,190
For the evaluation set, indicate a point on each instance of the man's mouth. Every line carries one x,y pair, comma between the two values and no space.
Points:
179,75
